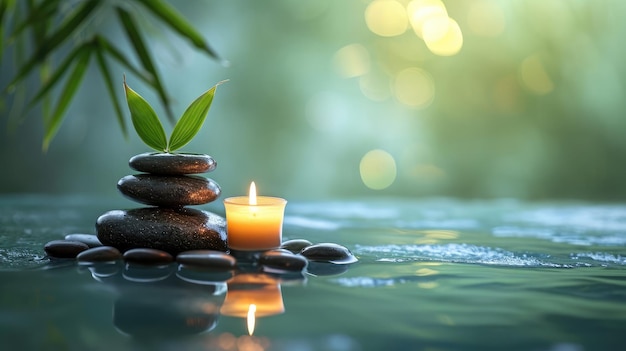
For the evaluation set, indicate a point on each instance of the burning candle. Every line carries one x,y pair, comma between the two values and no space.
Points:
254,223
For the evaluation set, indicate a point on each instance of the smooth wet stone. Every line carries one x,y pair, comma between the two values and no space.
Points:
170,230
64,248
148,256
295,245
99,254
88,239
169,191
329,252
172,164
283,260
206,259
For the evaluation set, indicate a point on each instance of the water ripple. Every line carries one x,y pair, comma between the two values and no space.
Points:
458,253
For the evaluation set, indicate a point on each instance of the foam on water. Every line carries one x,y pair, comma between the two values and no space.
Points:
458,253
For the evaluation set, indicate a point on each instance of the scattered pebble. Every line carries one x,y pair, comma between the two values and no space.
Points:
64,248
99,254
295,245
283,260
88,239
206,259
148,256
329,252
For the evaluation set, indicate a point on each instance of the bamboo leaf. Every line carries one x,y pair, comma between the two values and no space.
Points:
192,119
141,50
178,23
40,13
55,39
60,71
106,74
145,120
119,57
72,84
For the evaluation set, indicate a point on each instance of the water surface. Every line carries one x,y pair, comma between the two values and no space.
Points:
435,274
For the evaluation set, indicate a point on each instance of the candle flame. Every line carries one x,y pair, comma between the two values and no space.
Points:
251,318
252,194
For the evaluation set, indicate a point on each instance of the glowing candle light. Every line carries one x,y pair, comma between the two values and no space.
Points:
251,296
251,318
254,223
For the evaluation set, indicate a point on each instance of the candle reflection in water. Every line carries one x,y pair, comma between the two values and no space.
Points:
253,295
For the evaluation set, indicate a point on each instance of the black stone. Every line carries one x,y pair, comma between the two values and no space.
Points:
283,260
169,191
88,239
295,245
148,256
172,164
328,252
170,230
64,248
207,259
99,254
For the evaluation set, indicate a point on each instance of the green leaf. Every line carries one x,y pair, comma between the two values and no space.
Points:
60,71
104,69
72,84
191,121
145,120
144,56
45,10
178,23
119,57
55,39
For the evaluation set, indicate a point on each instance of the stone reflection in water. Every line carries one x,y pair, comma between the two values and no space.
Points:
155,304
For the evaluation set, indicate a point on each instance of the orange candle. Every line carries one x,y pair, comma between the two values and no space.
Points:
254,223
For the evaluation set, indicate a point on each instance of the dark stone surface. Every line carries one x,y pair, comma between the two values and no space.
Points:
295,245
99,254
64,248
283,260
329,252
88,239
148,256
169,191
172,164
207,259
170,230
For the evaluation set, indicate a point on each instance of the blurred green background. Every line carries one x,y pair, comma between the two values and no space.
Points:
337,99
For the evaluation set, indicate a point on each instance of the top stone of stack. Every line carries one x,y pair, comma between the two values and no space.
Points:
172,164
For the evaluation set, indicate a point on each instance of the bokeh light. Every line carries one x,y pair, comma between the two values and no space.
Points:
378,169
352,61
414,87
447,44
535,77
386,18
431,12
486,18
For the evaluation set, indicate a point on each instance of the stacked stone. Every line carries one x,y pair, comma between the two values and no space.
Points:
168,185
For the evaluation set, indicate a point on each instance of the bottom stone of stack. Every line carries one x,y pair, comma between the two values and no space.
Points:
170,230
